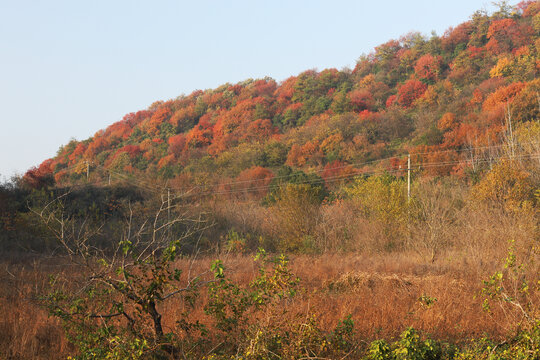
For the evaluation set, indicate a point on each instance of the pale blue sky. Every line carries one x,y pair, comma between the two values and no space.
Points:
69,68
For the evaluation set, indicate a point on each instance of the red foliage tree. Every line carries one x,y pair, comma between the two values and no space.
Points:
259,130
399,165
40,177
528,8
131,150
299,155
254,180
441,163
119,130
455,36
285,91
133,119
506,34
177,144
96,146
502,96
428,67
337,171
361,99
410,91
184,118
459,135
391,100
260,88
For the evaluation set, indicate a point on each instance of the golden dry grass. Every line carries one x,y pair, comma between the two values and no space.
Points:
381,291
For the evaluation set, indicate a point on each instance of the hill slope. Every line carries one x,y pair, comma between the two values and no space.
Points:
435,97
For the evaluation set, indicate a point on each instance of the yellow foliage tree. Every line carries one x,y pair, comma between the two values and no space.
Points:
383,199
507,184
502,68
297,208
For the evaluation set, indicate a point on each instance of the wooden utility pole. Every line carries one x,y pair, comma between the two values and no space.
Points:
169,211
87,170
409,177
168,205
510,132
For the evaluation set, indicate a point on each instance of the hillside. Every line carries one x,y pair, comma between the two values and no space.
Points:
433,96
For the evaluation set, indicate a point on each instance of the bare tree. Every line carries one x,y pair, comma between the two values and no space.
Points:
435,217
119,288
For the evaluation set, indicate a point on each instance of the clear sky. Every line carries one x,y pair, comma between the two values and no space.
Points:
69,68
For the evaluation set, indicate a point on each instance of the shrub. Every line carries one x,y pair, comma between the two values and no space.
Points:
508,184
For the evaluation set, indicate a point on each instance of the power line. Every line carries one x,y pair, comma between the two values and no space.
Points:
142,184
130,179
364,173
352,165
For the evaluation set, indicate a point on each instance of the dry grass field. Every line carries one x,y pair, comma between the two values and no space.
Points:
383,293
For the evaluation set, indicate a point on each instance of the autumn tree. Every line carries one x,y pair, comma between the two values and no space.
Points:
410,91
273,154
382,199
506,34
201,135
297,208
428,68
114,306
161,116
40,177
337,172
508,184
255,180
526,104
177,144
361,99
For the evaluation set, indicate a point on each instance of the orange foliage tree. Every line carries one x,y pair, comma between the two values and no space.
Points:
77,153
162,115
502,96
447,122
299,155
202,134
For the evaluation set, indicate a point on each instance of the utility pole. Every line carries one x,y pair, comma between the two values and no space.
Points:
169,211
168,205
409,177
109,179
510,132
87,170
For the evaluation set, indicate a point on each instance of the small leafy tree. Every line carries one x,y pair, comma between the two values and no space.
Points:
230,304
409,347
515,293
112,308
